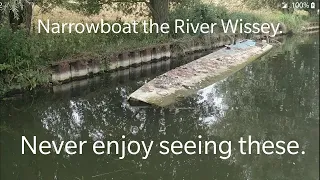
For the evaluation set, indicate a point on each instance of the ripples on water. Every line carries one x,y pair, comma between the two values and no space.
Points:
274,98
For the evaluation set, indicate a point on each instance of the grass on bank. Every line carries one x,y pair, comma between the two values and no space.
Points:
24,58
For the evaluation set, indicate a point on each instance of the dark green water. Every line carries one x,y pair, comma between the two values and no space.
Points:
275,98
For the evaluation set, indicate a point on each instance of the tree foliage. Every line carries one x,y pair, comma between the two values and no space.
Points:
157,9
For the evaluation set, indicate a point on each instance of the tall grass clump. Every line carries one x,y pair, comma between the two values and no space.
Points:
246,17
18,61
197,13
292,21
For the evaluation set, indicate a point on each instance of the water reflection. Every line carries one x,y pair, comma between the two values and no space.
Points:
275,98
212,103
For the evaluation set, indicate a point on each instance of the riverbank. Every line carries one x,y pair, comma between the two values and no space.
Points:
46,59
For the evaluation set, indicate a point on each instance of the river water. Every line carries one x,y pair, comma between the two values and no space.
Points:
274,98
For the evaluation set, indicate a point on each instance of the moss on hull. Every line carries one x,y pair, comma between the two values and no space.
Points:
188,79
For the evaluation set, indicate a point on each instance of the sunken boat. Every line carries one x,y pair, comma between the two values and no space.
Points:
186,80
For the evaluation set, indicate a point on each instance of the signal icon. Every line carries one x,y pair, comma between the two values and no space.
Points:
284,5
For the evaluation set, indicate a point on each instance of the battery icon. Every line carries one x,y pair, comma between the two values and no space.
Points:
313,5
